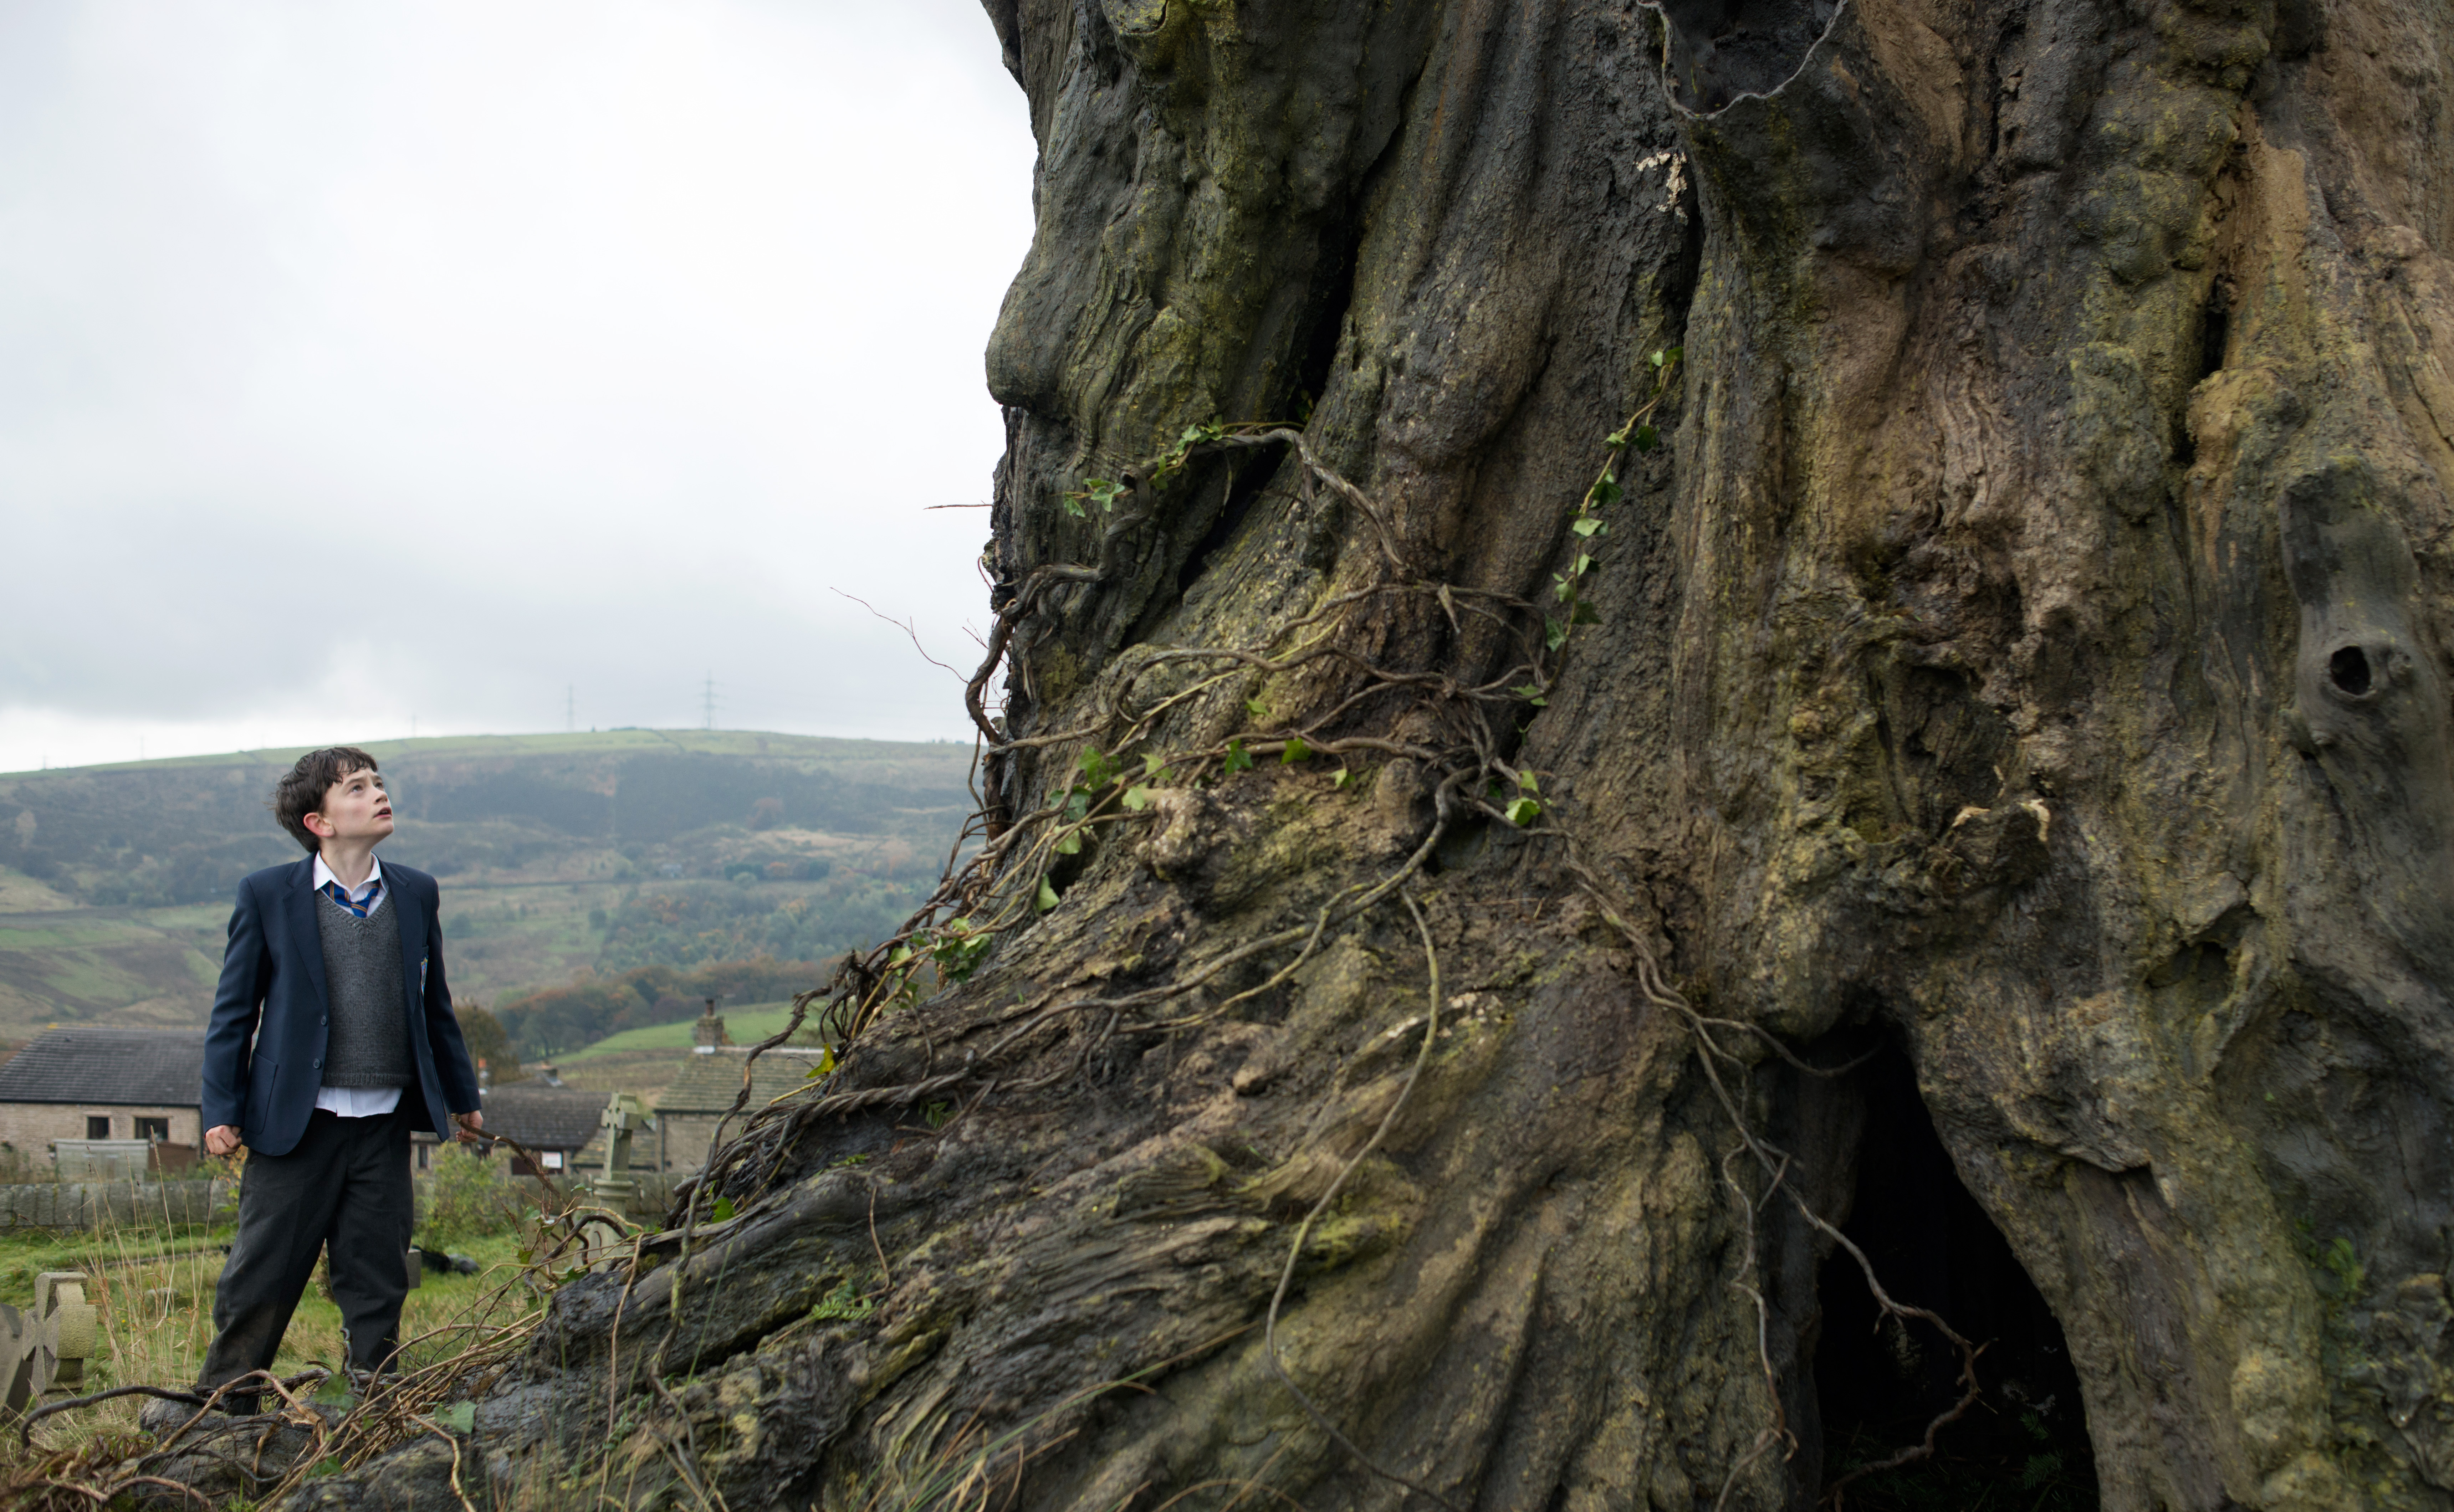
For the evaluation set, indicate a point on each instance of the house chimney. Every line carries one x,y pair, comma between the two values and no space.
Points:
709,1032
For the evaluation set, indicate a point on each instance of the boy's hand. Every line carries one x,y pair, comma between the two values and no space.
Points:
470,1123
222,1139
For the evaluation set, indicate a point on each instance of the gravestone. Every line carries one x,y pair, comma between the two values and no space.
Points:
46,1346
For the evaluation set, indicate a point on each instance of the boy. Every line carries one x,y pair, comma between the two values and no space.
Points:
332,1039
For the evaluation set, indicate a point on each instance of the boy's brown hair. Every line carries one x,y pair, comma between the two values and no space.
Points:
301,789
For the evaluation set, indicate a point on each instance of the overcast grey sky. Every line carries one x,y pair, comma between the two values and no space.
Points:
379,362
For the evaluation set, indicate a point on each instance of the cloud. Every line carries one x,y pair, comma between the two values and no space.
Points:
373,361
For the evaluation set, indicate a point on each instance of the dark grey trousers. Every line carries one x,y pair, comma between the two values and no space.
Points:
343,1189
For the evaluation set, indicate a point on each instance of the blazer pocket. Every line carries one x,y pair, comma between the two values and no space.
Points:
263,1081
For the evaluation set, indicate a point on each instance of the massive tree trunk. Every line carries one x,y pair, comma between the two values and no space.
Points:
2008,718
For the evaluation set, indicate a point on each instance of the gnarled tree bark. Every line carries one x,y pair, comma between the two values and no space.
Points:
2026,657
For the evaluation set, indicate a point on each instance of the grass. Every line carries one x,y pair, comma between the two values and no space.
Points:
152,1288
155,1291
746,1025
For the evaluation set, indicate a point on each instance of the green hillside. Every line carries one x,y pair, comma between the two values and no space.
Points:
558,853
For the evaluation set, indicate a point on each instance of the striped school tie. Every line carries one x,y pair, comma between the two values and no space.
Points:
374,896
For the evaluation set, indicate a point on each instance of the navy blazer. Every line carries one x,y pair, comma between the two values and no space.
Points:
265,1045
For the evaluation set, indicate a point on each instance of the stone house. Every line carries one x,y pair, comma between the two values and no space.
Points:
556,1122
102,1085
704,1090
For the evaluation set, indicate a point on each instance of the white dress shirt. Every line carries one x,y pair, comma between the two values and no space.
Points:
358,1102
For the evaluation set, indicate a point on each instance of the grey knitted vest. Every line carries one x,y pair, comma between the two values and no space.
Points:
368,1044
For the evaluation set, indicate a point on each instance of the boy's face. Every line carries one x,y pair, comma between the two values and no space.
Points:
355,808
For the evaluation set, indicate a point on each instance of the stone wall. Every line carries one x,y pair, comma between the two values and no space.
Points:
103,1204
154,1204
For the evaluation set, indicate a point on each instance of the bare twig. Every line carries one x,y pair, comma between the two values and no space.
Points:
905,625
26,1428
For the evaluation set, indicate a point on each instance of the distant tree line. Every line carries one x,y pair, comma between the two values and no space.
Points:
689,925
563,1019
487,1044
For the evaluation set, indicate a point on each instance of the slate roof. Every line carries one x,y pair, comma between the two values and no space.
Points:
709,1084
542,1117
157,1067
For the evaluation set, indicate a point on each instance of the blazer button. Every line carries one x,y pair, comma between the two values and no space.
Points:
319,1065
321,1022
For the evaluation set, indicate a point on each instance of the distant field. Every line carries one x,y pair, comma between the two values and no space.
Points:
746,1026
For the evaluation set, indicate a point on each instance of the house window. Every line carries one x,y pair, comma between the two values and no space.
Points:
425,1154
157,1130
97,1125
553,1159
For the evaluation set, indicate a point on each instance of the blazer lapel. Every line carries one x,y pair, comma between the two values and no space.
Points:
413,944
306,936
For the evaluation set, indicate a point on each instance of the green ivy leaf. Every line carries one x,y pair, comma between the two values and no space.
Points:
1584,565
1584,614
1257,708
1607,491
843,1304
1522,812
1137,797
1647,438
1658,358
461,1417
723,1210
1525,780
1554,635
1341,777
1295,752
1560,586
1588,526
1046,899
1531,695
1071,845
1239,759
